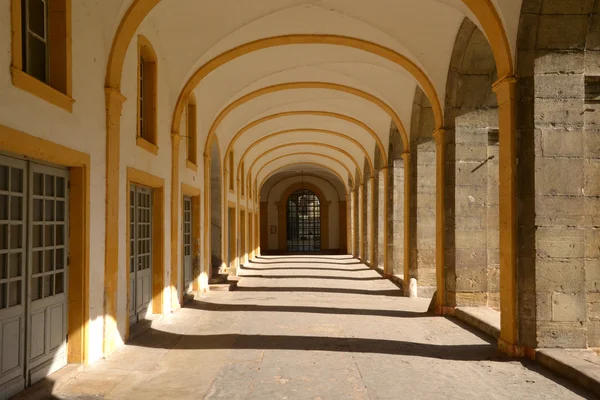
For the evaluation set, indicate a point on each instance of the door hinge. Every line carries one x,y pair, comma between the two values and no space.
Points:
67,338
69,260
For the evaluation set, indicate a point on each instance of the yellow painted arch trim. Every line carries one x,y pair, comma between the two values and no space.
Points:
303,163
325,131
328,114
308,153
298,39
484,12
307,85
304,174
490,21
283,146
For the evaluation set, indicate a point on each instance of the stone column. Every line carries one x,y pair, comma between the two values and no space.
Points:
353,237
175,210
440,247
373,218
114,107
384,228
361,231
505,93
207,218
406,158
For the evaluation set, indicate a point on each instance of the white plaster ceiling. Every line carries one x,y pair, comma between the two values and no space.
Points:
298,163
190,33
321,176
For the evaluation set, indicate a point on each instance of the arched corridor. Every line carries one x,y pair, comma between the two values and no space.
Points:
428,156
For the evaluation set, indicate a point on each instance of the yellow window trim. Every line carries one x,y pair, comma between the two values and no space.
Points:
148,57
38,88
191,166
146,145
60,44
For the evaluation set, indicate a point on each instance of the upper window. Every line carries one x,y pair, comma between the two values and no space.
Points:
147,99
191,130
242,188
41,49
231,172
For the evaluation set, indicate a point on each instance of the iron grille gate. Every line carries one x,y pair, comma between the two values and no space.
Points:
303,222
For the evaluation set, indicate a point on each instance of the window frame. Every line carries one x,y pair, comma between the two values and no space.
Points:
231,172
58,88
147,96
192,134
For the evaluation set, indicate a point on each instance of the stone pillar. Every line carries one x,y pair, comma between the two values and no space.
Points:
440,246
372,214
353,223
348,222
505,93
423,221
395,216
114,107
384,256
407,213
207,218
361,231
175,210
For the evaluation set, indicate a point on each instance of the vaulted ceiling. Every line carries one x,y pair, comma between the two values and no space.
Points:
323,77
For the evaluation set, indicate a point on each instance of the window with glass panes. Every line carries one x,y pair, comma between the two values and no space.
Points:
34,25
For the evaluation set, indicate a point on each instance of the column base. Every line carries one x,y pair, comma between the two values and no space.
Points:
516,350
443,311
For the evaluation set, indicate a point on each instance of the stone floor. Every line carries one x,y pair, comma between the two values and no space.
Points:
321,327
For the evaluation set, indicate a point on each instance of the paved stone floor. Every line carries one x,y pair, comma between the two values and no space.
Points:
312,328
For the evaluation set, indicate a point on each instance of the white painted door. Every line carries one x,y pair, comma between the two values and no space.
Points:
47,268
140,257
33,272
187,244
13,200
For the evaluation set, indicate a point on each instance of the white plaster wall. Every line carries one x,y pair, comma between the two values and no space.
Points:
331,195
83,130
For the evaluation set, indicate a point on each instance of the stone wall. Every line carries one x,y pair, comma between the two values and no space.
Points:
396,202
367,221
215,206
423,198
472,235
559,171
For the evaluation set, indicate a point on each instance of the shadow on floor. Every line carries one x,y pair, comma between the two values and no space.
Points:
304,262
308,257
154,338
391,293
304,269
317,277
206,306
160,339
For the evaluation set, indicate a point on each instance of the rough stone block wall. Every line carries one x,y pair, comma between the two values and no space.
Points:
395,202
493,226
380,216
424,175
423,196
367,221
215,206
559,170
472,235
